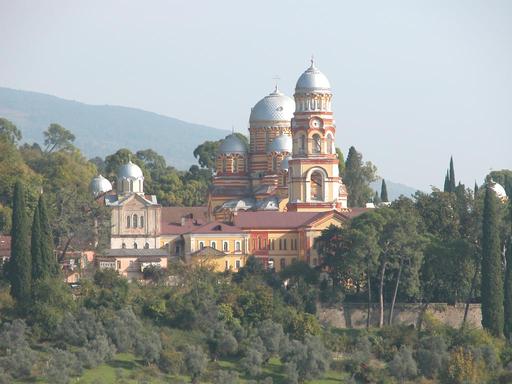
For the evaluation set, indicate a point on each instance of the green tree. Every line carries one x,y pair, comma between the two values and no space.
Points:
452,176
341,161
38,267
57,137
19,268
492,280
46,239
403,366
508,283
195,362
446,187
384,192
376,198
9,131
206,153
357,177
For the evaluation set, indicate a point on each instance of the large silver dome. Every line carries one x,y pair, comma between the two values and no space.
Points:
312,80
274,107
282,143
129,171
100,185
232,144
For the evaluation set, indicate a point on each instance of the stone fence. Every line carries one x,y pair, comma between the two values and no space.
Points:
353,315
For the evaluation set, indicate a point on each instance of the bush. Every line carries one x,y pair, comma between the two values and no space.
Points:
432,356
252,361
170,361
311,359
195,362
403,366
225,377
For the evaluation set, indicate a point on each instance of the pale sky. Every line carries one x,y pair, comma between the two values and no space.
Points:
414,81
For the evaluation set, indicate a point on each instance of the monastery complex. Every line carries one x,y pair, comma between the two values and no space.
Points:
270,199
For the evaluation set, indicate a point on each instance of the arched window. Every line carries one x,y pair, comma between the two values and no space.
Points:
135,221
201,244
274,163
213,244
225,246
317,143
237,246
135,246
146,246
329,144
317,186
235,165
224,165
128,222
131,185
123,245
142,221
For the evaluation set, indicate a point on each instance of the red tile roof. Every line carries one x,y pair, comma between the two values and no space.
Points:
172,223
217,227
276,220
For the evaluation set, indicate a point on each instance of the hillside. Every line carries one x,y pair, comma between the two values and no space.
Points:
394,189
102,129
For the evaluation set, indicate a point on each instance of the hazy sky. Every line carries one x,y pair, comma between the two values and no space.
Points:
414,81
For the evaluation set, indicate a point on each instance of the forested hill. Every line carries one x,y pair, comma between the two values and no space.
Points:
102,129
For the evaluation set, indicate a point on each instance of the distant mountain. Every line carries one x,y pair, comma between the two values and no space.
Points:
394,189
103,129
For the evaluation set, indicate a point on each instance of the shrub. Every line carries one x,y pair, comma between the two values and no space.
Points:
403,366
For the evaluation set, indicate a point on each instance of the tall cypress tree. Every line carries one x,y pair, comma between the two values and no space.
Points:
475,190
508,292
446,182
492,280
384,192
39,269
452,176
46,241
19,267
508,283
376,198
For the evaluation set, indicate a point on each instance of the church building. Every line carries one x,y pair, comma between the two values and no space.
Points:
269,199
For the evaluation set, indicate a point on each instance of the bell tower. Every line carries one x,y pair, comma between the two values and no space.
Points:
314,181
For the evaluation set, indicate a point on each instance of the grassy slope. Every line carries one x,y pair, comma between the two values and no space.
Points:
133,372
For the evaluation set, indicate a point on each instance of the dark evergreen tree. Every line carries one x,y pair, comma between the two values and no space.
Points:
38,266
19,268
357,177
384,192
341,161
376,198
46,241
492,279
446,187
452,176
508,283
508,292
475,190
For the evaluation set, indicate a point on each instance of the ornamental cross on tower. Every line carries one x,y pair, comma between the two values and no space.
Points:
276,78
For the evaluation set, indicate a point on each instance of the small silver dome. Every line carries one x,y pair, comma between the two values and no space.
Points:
282,143
100,185
498,189
232,144
274,107
312,80
129,171
284,163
